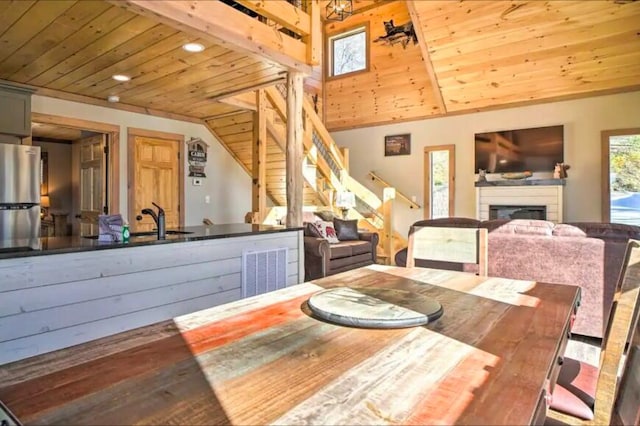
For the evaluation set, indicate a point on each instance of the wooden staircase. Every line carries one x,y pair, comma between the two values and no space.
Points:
325,167
236,132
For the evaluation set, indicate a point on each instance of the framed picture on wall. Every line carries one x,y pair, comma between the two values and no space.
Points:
397,145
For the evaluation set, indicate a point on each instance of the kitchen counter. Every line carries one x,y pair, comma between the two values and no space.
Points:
57,245
69,290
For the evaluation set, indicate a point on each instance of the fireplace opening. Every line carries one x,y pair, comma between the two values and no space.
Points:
518,212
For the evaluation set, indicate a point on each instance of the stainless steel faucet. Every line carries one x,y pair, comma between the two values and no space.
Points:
159,219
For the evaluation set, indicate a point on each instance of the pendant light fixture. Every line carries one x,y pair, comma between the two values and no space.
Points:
339,10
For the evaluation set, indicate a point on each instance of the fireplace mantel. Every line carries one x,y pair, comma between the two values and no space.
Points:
524,192
522,182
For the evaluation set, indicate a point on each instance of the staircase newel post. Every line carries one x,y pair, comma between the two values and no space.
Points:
388,195
295,149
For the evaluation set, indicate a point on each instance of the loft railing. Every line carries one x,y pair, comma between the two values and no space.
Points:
298,19
274,30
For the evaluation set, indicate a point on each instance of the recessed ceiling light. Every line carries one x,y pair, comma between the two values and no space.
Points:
113,98
121,77
193,47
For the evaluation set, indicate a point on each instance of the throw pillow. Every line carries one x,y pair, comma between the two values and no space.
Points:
310,230
327,231
346,229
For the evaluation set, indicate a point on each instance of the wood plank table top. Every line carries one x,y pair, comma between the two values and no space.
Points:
266,360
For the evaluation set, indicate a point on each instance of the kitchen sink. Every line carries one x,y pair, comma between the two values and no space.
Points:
146,234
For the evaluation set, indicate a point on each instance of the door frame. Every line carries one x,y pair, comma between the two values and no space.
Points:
132,132
605,200
427,177
113,144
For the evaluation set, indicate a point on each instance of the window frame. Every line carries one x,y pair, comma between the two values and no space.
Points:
342,33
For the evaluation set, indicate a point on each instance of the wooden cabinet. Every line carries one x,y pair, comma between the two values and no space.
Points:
15,104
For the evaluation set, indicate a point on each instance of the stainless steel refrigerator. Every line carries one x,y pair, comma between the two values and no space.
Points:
19,191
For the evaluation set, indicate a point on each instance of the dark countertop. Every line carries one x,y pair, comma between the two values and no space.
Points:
56,245
521,182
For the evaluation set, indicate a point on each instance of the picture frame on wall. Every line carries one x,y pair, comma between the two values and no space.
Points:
397,145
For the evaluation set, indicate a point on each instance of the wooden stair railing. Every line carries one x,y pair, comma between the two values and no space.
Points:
332,173
380,219
412,204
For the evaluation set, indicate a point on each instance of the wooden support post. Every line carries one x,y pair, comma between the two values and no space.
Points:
388,195
259,157
314,40
294,148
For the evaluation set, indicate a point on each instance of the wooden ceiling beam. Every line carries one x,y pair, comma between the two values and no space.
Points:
245,100
224,25
247,89
426,58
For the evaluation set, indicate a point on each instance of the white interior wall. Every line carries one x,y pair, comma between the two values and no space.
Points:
227,184
583,121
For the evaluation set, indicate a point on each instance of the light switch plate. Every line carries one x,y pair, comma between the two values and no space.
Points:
197,182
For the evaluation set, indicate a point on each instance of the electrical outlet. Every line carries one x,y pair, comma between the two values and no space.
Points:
207,199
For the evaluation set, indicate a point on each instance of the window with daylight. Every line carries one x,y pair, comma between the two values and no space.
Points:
348,52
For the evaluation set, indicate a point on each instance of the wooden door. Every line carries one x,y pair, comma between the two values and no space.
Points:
89,196
156,179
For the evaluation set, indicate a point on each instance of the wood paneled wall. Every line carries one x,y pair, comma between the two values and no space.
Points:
396,87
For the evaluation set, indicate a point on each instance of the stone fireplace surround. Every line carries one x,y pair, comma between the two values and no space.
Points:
525,192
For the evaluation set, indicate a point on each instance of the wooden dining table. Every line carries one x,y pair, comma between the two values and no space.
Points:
489,359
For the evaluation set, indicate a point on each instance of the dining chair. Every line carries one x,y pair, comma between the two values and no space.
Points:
584,394
626,410
442,244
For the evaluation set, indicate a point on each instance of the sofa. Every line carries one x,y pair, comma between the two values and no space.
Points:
322,258
589,255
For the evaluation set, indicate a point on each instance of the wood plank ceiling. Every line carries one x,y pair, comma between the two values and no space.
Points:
76,47
485,55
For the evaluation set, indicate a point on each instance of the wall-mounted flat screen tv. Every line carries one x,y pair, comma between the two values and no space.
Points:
537,150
